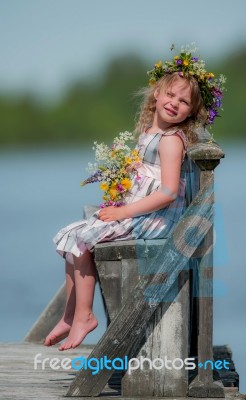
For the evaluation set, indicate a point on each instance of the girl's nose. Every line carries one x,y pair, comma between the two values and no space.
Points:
174,103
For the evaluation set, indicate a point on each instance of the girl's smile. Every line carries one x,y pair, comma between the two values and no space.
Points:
170,111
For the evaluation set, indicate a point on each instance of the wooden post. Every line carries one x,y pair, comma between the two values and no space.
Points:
207,156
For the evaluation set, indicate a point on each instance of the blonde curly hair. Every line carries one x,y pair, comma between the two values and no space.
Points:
147,109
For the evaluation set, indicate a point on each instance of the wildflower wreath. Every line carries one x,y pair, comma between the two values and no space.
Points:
187,65
115,168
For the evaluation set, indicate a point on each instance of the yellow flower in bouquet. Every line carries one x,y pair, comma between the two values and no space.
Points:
126,183
104,186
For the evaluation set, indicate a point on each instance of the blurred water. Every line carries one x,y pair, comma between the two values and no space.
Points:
40,193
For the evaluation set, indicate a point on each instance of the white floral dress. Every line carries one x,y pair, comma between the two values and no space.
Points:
84,234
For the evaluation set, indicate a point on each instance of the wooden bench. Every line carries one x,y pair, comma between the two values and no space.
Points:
158,297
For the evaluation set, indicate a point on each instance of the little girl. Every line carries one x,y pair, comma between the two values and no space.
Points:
173,103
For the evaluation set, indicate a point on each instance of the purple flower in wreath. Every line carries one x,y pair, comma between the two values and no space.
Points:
212,114
217,92
179,62
218,102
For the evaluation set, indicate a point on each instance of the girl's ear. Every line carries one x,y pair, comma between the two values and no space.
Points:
156,93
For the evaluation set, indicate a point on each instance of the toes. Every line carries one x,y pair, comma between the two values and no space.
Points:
48,341
69,345
64,346
51,340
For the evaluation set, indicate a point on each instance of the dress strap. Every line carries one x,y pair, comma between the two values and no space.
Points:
177,132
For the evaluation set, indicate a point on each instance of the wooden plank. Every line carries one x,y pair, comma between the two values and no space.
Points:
125,249
49,317
166,336
119,339
110,284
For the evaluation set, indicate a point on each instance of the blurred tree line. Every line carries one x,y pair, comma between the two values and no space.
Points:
101,108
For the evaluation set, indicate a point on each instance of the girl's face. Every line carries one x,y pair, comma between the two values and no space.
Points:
173,104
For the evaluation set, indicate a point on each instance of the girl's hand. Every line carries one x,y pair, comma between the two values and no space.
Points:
111,214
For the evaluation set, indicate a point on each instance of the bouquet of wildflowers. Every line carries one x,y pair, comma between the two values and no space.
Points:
115,168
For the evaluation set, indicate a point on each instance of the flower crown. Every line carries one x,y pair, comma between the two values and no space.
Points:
186,65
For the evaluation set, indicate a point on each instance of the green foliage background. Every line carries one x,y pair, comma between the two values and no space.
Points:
99,109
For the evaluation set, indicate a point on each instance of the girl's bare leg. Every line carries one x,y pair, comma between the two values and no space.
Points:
84,320
61,330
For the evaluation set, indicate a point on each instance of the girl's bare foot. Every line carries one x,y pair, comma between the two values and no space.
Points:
60,332
80,328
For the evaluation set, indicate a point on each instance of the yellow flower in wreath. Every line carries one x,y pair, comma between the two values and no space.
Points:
152,81
159,64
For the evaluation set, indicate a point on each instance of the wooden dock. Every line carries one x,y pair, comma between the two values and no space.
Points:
19,380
